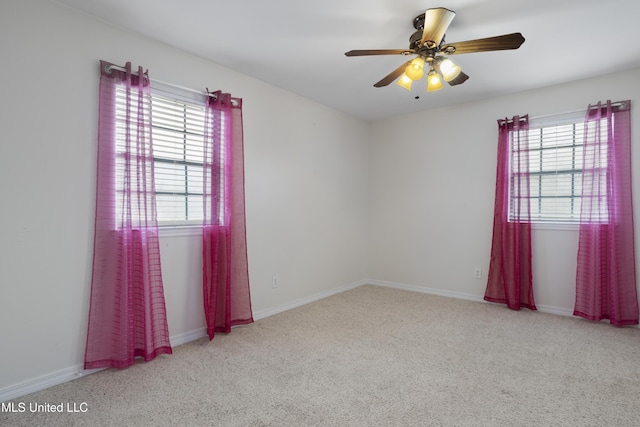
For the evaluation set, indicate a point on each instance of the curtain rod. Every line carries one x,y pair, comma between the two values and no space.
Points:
504,122
619,104
110,67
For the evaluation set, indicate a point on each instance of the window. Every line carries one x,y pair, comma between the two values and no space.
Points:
178,146
555,150
177,123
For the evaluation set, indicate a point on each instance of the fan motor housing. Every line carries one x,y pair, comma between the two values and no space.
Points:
418,22
427,52
414,40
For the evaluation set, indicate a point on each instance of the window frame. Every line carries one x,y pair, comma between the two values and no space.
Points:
181,159
194,98
169,93
536,126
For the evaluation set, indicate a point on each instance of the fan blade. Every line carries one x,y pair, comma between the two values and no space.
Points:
436,22
462,77
379,52
392,75
505,42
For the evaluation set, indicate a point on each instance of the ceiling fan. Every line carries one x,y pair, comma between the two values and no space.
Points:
431,50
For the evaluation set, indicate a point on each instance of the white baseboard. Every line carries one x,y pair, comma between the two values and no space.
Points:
188,336
560,311
261,314
469,297
427,290
75,372
43,381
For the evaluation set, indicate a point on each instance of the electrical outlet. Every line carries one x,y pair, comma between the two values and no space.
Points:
477,273
274,282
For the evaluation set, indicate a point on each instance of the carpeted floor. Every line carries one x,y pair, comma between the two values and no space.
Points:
371,356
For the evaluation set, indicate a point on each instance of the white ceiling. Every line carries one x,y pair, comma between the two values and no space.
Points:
299,45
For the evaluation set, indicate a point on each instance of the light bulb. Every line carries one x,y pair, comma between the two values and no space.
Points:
449,70
415,70
404,82
433,81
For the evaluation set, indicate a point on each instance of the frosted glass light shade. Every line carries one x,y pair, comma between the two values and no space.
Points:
433,81
415,70
404,82
449,70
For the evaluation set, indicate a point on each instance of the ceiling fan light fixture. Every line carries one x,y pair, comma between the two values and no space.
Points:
449,70
433,81
428,45
415,70
404,81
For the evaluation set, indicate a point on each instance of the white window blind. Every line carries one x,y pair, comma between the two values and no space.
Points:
177,130
178,146
555,150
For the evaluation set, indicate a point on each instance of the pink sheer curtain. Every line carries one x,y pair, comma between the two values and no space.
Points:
227,300
127,316
510,276
606,275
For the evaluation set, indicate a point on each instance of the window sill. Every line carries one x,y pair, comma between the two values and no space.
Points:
178,231
563,226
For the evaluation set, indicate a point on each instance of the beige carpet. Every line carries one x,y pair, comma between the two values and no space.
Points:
372,357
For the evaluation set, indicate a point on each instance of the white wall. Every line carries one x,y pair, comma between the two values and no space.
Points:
432,190
331,200
306,187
